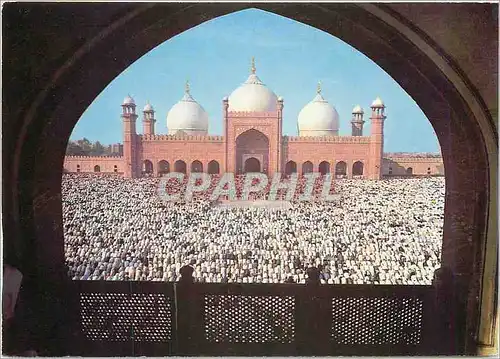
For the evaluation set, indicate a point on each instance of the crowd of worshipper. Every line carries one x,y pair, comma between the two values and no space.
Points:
376,232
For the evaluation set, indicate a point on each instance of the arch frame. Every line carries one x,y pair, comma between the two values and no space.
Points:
470,133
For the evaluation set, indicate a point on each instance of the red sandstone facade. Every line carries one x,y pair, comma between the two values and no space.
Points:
253,141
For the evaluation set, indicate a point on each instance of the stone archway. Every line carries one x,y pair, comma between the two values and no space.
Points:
213,167
290,167
324,168
434,73
357,168
180,166
341,169
97,168
252,144
163,167
147,167
196,166
252,164
409,171
307,167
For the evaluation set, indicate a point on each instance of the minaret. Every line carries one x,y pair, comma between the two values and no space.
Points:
376,139
279,153
148,120
357,121
129,118
225,107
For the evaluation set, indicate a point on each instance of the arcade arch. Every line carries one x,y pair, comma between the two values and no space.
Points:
196,166
357,168
290,167
213,167
163,167
147,167
324,167
341,169
307,167
180,166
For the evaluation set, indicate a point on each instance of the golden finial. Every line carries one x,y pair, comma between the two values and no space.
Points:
318,89
253,69
187,89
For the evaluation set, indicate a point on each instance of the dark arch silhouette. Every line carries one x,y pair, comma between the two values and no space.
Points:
115,168
290,167
409,171
341,168
307,167
163,167
180,166
252,143
427,69
252,164
147,166
196,166
324,167
357,168
97,168
213,167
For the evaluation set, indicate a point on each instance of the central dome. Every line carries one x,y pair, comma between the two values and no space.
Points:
187,117
253,96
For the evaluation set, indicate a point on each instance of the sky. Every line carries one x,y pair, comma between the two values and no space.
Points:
290,59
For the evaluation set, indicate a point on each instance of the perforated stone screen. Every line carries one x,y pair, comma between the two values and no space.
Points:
142,317
249,319
377,321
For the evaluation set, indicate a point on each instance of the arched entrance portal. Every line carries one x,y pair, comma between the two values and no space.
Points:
251,165
252,144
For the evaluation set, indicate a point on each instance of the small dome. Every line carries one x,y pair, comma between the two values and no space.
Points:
225,98
280,98
148,108
357,109
253,96
378,103
318,118
187,116
128,101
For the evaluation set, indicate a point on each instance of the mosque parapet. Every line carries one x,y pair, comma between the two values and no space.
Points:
253,114
330,139
182,138
414,159
102,158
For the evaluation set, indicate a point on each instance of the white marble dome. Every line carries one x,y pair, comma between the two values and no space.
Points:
378,103
128,101
253,96
318,118
187,117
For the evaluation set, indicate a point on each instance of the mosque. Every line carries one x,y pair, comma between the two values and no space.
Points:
252,140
